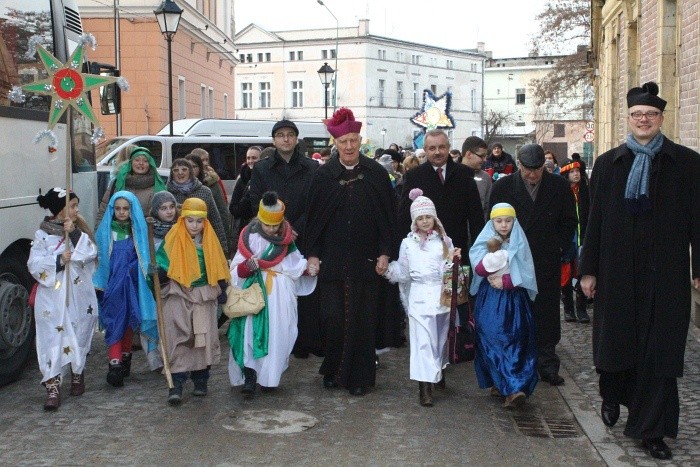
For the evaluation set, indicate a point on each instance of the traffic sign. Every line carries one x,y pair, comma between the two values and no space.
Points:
588,137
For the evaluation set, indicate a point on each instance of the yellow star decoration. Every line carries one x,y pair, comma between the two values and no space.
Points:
66,350
59,328
43,275
66,85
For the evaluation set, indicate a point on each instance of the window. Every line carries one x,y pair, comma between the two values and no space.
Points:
415,59
399,94
297,94
520,96
381,54
260,57
416,96
473,99
203,99
324,54
268,56
249,58
264,95
246,95
225,105
399,56
241,57
181,97
300,55
433,89
292,56
559,130
210,105
449,64
381,93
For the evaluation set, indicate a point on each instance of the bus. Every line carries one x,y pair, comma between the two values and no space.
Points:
26,168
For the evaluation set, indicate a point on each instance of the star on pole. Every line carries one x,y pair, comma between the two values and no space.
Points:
66,85
435,112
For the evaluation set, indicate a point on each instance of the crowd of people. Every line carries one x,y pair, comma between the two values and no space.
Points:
347,248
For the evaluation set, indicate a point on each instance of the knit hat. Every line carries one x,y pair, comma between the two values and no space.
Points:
194,207
159,199
502,209
342,123
285,124
55,199
569,166
271,209
648,94
385,161
422,206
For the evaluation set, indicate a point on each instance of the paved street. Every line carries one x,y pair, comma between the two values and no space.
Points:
302,423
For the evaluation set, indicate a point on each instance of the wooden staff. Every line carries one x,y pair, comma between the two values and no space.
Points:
159,307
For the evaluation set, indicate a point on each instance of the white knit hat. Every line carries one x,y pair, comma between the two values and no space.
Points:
422,206
492,262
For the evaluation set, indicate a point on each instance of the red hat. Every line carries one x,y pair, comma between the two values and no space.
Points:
342,123
569,166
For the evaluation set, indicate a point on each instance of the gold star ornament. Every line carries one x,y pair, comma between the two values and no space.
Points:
66,350
43,275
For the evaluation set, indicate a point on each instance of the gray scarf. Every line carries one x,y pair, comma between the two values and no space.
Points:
637,188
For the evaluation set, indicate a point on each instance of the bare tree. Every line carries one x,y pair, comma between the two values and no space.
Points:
494,122
565,25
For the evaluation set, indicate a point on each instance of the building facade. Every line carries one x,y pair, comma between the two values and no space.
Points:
510,103
635,41
203,61
379,78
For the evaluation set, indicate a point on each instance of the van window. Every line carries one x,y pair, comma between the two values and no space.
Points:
155,147
225,158
308,146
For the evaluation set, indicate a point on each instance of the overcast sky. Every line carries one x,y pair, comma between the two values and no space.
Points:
506,26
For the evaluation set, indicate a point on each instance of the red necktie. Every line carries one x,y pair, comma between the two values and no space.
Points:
442,178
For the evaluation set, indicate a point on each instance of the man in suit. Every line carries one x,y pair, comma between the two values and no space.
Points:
546,211
452,189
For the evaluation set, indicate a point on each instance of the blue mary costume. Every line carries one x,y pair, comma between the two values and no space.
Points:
121,273
506,349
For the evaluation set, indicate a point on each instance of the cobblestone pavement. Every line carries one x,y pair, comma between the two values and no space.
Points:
614,447
298,424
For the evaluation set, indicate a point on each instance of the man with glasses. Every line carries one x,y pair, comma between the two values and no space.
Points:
474,151
645,216
546,210
289,173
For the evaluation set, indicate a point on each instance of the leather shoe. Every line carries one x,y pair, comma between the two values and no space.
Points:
329,382
441,384
657,448
358,391
554,379
609,412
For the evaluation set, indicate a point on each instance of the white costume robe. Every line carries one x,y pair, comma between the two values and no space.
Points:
287,284
63,334
419,274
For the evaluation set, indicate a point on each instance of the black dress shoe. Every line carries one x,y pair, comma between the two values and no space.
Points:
609,412
251,377
657,448
329,382
553,379
358,391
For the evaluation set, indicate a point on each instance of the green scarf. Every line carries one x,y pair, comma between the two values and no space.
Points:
121,230
125,170
261,322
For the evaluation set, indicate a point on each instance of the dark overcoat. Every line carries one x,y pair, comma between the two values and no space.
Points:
457,202
549,224
291,180
609,252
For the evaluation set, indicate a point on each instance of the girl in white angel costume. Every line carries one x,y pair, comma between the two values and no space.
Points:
424,256
64,325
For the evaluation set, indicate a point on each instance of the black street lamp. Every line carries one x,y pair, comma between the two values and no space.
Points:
325,73
168,15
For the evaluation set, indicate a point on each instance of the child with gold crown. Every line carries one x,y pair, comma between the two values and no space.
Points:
194,269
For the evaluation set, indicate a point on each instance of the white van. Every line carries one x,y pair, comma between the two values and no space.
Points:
313,136
226,154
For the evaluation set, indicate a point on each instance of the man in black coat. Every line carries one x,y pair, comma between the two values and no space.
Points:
546,210
450,186
289,173
645,214
350,236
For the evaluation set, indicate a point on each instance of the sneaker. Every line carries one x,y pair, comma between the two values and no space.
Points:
175,395
515,400
115,377
126,364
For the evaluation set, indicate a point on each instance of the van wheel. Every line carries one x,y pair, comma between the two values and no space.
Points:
16,318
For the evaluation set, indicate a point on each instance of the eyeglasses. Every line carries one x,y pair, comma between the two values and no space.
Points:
651,115
481,156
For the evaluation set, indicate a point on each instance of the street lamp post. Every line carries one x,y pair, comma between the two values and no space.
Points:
335,79
325,74
168,15
383,135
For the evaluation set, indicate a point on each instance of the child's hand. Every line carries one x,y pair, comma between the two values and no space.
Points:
65,256
457,252
496,282
313,265
68,226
